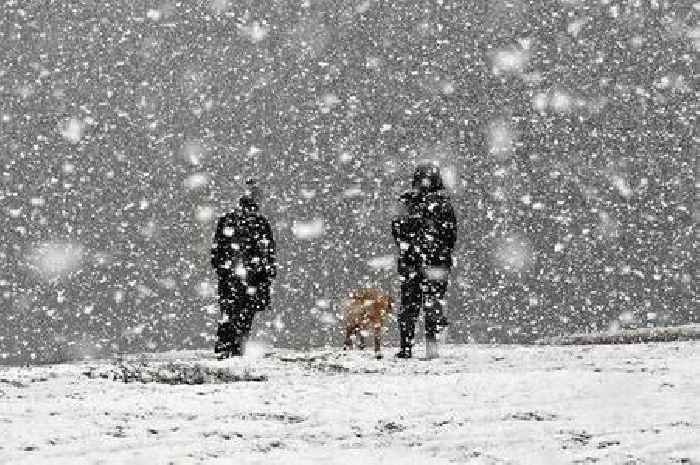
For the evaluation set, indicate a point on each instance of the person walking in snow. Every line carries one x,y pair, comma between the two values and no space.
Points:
406,229
243,255
433,233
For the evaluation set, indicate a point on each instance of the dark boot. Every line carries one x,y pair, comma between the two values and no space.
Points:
222,350
405,352
222,347
406,331
236,350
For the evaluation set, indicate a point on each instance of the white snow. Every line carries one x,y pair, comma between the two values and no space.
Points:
514,254
621,185
309,229
509,60
196,180
449,176
501,139
53,260
72,130
382,262
694,36
345,157
194,152
254,32
153,15
362,7
476,405
220,6
574,27
540,101
328,102
206,289
355,191
560,101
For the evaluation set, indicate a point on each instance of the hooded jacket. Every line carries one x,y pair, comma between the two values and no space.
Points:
244,245
439,233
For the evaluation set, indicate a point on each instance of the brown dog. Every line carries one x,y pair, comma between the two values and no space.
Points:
366,309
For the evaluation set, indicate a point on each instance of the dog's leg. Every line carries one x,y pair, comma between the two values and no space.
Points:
378,341
361,339
348,338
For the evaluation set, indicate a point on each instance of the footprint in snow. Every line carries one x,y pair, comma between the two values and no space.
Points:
390,427
577,439
531,416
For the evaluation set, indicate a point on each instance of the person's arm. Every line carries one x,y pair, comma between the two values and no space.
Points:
442,216
396,230
449,224
216,258
268,248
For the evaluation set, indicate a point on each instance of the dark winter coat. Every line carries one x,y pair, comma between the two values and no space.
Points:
439,233
244,246
406,231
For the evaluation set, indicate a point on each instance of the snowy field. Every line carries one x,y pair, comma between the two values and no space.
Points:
620,404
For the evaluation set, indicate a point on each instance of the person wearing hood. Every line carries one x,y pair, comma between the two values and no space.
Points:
406,229
434,238
243,255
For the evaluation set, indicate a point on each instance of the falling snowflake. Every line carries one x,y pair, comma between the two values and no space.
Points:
309,229
383,262
72,130
255,32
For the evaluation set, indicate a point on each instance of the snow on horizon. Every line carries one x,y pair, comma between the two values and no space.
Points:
478,405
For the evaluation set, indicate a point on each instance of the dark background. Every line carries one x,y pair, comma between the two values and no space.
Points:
580,218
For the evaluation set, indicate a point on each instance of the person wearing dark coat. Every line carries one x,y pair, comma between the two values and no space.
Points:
406,229
243,255
434,239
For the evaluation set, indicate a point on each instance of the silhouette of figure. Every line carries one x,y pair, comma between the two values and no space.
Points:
426,236
243,256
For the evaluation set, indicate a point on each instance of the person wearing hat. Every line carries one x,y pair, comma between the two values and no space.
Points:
406,228
243,255
433,228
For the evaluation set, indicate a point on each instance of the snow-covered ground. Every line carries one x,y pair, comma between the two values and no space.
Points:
623,404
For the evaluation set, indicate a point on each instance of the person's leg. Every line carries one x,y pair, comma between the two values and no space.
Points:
349,331
361,341
238,316
224,335
246,326
433,296
410,309
377,341
257,299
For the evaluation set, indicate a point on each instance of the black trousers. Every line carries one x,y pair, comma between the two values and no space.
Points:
418,292
240,301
